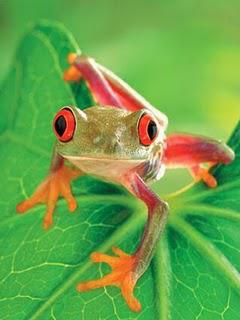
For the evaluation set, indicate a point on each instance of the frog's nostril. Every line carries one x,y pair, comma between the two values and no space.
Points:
64,125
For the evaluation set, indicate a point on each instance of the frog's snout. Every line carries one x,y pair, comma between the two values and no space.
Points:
64,124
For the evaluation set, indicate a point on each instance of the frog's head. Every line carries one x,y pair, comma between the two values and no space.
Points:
108,133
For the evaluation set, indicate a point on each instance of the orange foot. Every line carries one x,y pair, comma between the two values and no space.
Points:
122,276
55,184
72,73
203,174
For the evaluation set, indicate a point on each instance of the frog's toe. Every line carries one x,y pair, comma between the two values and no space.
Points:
203,174
37,198
71,57
72,73
209,179
67,194
25,205
122,276
47,222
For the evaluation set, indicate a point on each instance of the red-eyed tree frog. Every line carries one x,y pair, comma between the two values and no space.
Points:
120,139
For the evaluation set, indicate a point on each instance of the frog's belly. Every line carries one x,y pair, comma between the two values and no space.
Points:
106,168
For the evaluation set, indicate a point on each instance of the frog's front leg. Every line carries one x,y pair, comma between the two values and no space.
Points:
56,184
127,269
192,152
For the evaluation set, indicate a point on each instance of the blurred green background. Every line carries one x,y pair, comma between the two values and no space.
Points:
183,56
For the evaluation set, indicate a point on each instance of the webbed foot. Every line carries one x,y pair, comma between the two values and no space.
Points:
56,184
122,276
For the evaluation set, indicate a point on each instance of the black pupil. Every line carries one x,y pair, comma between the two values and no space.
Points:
152,130
60,125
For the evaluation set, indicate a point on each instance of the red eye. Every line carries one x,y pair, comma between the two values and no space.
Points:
64,125
147,129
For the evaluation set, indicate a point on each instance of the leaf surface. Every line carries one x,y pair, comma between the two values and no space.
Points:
195,272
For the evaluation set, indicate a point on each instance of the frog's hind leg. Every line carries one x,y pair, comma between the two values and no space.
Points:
99,76
56,184
82,67
106,87
193,152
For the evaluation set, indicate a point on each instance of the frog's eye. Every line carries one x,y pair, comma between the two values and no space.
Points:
64,125
147,129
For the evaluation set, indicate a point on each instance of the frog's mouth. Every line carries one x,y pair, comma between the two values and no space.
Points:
99,158
156,152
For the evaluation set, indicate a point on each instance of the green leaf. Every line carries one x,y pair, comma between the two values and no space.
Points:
194,274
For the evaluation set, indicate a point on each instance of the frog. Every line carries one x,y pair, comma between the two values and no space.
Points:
122,139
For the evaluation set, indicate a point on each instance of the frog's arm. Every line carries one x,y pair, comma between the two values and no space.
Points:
192,151
127,269
55,184
106,87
